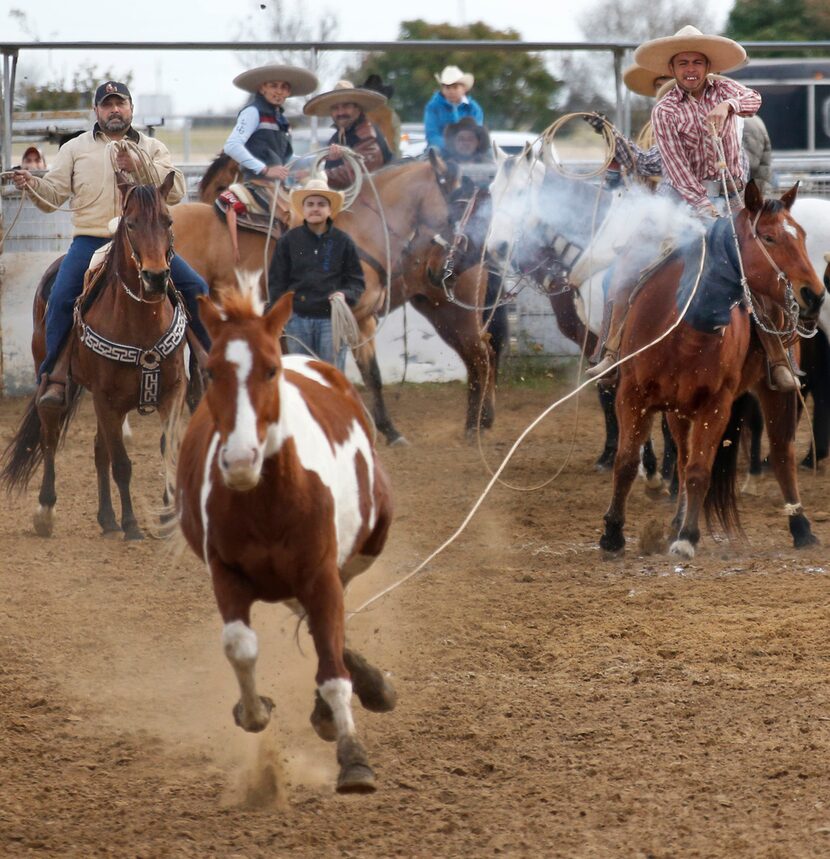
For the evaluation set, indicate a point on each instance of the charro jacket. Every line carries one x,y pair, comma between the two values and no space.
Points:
364,138
83,170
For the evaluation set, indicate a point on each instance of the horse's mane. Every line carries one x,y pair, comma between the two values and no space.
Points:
237,305
219,163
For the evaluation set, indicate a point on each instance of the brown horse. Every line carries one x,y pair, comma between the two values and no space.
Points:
281,493
128,354
696,371
412,206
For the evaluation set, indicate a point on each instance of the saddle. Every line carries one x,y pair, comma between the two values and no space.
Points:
250,203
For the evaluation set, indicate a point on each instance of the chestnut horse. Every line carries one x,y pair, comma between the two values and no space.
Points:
710,356
280,492
128,354
411,207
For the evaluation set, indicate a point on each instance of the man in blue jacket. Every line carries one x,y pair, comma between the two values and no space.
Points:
449,105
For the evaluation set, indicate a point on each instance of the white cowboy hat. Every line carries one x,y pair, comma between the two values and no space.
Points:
453,75
640,80
344,91
723,54
316,188
302,81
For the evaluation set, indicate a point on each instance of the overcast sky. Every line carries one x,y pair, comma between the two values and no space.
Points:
200,81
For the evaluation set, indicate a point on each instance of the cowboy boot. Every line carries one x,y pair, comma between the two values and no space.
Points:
54,395
780,376
619,313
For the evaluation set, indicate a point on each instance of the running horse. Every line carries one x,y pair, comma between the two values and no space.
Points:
693,367
130,326
280,492
409,204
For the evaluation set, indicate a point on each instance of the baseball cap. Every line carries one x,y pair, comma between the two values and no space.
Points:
111,88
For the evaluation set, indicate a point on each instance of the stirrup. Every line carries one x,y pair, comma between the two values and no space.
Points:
781,378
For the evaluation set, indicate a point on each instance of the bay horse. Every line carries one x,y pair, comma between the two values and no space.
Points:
695,372
280,492
412,206
126,349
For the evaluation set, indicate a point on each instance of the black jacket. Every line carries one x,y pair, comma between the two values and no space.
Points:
314,267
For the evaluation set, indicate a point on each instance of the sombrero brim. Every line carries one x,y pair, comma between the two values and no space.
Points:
321,105
723,54
298,195
640,80
302,81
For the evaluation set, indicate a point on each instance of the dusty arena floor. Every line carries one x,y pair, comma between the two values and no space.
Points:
551,703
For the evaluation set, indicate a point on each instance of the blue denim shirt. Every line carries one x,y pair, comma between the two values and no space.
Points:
439,113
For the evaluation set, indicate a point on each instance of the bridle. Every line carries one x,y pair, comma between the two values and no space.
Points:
136,258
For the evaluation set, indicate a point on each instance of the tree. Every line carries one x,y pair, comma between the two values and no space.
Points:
75,95
273,21
779,20
514,88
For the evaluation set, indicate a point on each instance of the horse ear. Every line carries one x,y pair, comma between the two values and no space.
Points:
167,185
789,198
279,314
210,315
753,199
527,152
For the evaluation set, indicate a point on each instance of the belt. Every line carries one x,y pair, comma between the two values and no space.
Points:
714,187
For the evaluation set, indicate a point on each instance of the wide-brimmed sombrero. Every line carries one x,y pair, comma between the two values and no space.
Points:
316,188
453,75
344,91
723,54
640,80
302,81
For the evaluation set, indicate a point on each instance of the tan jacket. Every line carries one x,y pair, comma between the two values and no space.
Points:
83,170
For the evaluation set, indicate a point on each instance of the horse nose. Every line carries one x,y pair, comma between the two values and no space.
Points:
240,467
155,281
812,301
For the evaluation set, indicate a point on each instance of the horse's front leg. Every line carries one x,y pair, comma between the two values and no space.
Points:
781,414
106,513
366,359
110,423
635,425
459,328
239,642
679,429
324,606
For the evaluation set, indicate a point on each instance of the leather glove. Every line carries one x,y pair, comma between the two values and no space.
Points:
596,121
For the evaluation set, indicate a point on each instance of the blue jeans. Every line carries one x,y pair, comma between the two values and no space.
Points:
69,284
308,335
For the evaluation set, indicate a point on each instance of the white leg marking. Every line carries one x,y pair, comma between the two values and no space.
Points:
337,694
239,642
683,548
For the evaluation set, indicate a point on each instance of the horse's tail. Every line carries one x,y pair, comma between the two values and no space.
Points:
24,452
721,502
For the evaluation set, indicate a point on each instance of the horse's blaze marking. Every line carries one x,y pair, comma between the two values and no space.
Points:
204,494
790,229
244,435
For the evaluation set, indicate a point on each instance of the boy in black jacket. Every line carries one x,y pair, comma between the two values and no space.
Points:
315,261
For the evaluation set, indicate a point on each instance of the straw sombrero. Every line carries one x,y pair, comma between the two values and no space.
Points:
344,91
315,188
640,80
302,81
453,75
723,54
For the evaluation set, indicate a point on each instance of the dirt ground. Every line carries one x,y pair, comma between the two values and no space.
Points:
551,703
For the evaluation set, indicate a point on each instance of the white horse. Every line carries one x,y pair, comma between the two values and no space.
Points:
814,216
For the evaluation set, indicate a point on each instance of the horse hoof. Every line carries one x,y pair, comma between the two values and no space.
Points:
612,554
683,549
356,778
750,486
322,719
44,521
372,687
399,441
133,533
253,724
803,541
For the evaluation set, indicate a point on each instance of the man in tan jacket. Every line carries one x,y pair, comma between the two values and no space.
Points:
84,170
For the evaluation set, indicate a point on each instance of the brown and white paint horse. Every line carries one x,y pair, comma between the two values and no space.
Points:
280,492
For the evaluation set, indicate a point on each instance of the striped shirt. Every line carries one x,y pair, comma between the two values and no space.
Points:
686,148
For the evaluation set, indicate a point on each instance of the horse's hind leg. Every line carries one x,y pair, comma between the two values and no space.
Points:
324,606
50,430
371,685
